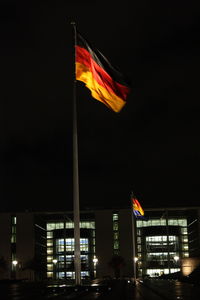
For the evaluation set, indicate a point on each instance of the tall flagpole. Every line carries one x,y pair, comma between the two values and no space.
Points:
134,240
77,252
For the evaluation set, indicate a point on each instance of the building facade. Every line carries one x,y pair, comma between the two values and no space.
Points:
40,245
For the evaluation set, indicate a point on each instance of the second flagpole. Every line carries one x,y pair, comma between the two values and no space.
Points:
134,240
77,252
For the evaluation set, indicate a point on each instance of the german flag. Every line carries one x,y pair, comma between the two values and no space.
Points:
106,83
137,208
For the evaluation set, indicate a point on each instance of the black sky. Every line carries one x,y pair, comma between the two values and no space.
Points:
152,146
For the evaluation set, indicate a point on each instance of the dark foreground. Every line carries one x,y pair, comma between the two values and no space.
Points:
123,289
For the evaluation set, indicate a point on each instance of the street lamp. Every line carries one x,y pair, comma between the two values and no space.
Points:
176,258
54,261
135,259
14,262
14,268
95,261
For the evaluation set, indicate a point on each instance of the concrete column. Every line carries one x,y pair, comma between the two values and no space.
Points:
104,242
126,241
5,245
25,244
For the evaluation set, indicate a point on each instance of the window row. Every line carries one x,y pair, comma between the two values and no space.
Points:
60,225
162,222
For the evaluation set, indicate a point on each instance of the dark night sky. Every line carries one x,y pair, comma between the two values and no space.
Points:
151,147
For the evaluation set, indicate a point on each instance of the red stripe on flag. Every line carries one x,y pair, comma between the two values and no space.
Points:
100,75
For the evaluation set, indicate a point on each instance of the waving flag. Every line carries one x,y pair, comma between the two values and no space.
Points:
106,83
137,209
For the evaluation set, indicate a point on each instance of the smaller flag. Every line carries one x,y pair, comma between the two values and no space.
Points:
137,208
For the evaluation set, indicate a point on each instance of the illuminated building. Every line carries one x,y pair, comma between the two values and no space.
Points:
40,245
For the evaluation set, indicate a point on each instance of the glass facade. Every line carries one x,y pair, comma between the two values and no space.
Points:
13,242
168,241
116,233
161,243
13,229
68,225
60,249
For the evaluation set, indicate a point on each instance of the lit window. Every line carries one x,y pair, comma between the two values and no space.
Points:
116,244
185,247
14,220
59,225
69,242
49,251
60,242
51,226
116,235
162,238
49,274
61,257
115,226
84,244
49,243
13,239
13,229
163,222
88,224
185,239
70,245
139,223
173,222
49,234
84,274
49,267
155,222
115,217
49,259
69,225
182,222
184,230
84,257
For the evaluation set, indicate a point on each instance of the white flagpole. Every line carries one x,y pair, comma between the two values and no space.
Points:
134,241
77,252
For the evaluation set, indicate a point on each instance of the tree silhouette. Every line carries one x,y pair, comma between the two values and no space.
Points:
116,263
3,264
33,264
37,266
